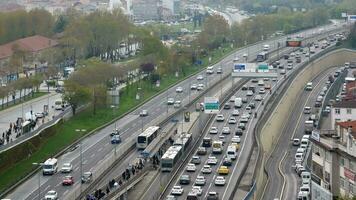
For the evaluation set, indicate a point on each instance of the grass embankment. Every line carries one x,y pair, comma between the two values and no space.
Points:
23,100
64,134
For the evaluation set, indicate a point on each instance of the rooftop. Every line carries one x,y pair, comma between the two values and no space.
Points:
348,124
345,104
32,44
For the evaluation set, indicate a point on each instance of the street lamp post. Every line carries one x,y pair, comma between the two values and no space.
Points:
113,114
39,179
81,157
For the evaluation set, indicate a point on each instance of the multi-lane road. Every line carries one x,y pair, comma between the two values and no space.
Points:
97,147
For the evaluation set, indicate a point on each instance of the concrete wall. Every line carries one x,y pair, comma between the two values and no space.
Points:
271,130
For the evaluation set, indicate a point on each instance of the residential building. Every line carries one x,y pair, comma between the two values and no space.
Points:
350,91
144,10
33,46
334,159
342,111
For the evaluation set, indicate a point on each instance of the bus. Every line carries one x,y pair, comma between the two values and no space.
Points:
170,158
145,138
217,147
261,57
183,140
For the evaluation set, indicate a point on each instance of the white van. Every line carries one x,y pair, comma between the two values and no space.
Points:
298,157
261,83
306,177
301,150
59,104
210,70
50,167
266,47
231,152
304,141
238,102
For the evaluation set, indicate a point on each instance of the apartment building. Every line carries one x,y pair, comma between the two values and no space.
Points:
342,111
334,160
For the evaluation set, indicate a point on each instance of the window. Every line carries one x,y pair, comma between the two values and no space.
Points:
349,111
352,188
328,156
342,183
352,166
342,162
337,110
327,177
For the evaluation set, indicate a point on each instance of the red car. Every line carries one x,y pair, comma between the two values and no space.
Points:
68,180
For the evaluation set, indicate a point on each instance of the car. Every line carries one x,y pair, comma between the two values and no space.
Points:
212,160
327,109
249,93
39,115
206,169
116,139
184,179
197,190
296,142
115,132
244,100
232,120
290,66
200,180
248,110
214,130
220,118
196,160
232,99
200,87
227,161
219,181
171,197
236,139
190,167
177,104
179,90
242,126
87,177
307,110
222,138
258,98
235,112
226,130
267,79
252,105
177,190
193,86
143,113
67,168
51,195
200,77
254,80
219,70
212,196
236,59
239,132
244,87
274,79
299,169
201,151
68,180
245,55
244,119
227,106
170,101
262,91
223,170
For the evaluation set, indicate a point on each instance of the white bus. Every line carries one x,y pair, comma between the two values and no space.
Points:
145,138
50,167
261,57
183,140
170,158
217,147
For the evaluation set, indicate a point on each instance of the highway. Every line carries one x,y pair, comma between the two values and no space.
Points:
282,156
97,147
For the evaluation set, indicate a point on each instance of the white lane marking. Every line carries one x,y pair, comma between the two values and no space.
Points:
92,155
100,149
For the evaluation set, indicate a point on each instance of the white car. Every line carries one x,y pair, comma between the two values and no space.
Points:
51,195
236,139
177,104
179,89
213,130
219,181
220,118
226,130
246,115
243,120
143,113
191,167
232,120
235,112
236,59
258,98
200,77
200,87
39,115
170,101
274,79
200,180
262,91
66,168
245,55
206,169
193,87
249,93
232,99
197,190
177,190
212,160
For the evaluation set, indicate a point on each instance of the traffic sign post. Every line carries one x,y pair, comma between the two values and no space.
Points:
211,105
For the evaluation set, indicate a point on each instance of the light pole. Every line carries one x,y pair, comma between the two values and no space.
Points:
220,81
113,114
39,179
81,156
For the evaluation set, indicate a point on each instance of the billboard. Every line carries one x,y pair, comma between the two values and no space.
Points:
294,43
351,17
240,67
211,105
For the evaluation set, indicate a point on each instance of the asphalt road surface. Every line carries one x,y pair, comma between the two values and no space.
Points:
97,147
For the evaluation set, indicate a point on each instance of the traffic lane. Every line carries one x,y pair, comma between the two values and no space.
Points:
292,178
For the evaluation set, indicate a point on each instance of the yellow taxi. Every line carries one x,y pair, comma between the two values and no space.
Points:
223,170
236,145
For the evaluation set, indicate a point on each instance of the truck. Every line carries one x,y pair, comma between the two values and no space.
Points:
238,102
309,125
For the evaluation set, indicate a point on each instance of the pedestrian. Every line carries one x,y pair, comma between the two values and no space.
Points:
107,190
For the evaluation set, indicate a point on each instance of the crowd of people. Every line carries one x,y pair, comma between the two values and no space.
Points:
14,128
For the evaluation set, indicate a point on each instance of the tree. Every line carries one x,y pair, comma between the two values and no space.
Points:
352,36
75,94
60,24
